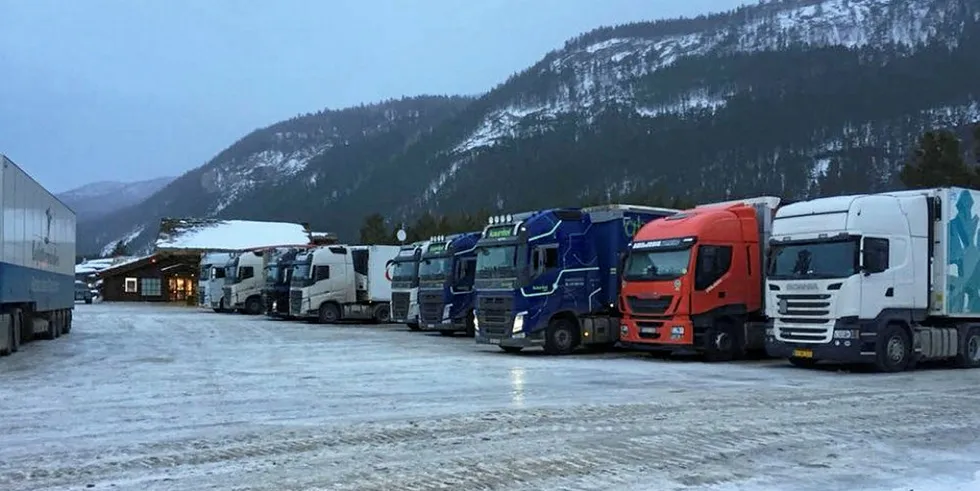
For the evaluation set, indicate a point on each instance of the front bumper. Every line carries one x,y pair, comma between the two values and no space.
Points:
519,340
856,349
665,334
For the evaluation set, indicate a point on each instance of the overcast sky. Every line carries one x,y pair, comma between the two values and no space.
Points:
126,90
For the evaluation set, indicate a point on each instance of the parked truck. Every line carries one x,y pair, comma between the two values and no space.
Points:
212,280
405,284
446,273
550,278
244,281
693,282
278,274
887,279
37,270
341,282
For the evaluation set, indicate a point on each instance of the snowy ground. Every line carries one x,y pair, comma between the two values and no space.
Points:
167,398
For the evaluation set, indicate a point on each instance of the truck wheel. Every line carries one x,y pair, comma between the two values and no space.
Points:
892,352
723,341
382,314
68,318
560,338
88,300
413,326
802,362
328,314
8,336
968,355
511,349
51,333
253,306
17,323
470,325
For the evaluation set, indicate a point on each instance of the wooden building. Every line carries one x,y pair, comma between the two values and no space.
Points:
171,273
161,277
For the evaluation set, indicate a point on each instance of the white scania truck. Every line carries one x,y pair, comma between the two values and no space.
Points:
212,280
340,282
244,280
886,279
405,284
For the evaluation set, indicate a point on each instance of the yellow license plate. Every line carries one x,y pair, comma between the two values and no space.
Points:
802,353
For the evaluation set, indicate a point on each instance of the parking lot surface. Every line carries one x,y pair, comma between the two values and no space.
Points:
166,398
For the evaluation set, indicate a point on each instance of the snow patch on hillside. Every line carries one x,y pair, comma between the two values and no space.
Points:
233,179
111,246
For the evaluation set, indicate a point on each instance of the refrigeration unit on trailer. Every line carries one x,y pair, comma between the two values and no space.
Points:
342,282
693,282
37,261
550,278
446,274
278,274
405,284
887,279
212,280
244,281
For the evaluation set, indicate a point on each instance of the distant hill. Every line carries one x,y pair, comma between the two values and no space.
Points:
98,199
796,98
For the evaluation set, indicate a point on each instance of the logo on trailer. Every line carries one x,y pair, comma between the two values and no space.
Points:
50,216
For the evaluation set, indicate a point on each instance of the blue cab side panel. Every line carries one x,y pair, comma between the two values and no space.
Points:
37,251
463,247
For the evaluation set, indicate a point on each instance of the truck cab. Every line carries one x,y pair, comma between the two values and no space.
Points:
447,271
405,284
884,279
278,274
550,279
244,282
337,282
212,280
693,282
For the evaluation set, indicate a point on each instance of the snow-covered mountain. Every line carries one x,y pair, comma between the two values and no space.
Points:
793,97
97,199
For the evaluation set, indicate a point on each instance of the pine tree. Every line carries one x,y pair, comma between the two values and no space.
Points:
120,249
374,231
976,143
938,161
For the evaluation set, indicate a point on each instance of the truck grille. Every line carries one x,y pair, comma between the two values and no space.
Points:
430,307
649,305
204,298
399,305
295,302
804,318
496,315
226,292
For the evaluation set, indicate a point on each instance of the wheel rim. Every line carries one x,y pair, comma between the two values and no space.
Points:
722,341
896,349
563,339
384,315
973,348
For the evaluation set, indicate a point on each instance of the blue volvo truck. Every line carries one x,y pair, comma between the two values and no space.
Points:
37,261
278,274
447,271
550,278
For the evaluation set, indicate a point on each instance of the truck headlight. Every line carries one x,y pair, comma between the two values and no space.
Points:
677,330
445,311
274,305
846,334
476,321
624,329
518,322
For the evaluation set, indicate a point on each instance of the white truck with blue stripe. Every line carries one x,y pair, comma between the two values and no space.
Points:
888,279
37,261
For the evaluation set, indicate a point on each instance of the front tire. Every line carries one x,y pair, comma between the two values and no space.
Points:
893,352
328,314
382,314
560,338
724,341
253,306
968,355
470,325
802,362
413,326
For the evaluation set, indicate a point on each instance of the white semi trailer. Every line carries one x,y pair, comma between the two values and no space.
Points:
338,282
244,280
37,261
886,279
405,284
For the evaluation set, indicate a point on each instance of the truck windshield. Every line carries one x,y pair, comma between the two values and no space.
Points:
272,274
301,273
496,261
653,265
435,268
206,271
231,273
405,271
836,259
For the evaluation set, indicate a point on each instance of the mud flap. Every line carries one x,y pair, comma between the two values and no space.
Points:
599,330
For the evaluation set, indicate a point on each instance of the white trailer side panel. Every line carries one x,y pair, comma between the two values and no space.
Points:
379,282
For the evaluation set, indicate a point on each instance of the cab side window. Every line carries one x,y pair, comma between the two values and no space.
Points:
545,258
713,262
875,255
465,273
321,273
246,272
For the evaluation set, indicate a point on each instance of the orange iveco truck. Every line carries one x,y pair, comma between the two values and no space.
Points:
693,282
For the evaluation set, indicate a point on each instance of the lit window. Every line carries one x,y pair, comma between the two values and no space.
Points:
130,285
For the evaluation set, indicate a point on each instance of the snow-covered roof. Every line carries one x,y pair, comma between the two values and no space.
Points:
118,265
228,235
92,266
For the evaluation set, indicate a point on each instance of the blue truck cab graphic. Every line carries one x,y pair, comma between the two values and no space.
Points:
550,278
447,271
